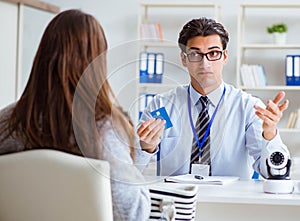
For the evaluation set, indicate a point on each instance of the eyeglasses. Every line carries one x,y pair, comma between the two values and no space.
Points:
198,57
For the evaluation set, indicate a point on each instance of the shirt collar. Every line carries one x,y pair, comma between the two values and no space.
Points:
213,96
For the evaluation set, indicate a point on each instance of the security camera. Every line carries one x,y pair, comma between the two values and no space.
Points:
278,167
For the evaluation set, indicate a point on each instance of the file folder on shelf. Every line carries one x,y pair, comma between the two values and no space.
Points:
292,67
142,104
143,63
289,72
296,70
159,68
151,67
144,100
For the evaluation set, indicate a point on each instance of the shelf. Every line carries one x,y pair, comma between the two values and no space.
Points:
164,13
253,50
154,85
157,43
177,4
289,130
44,6
270,5
270,46
270,88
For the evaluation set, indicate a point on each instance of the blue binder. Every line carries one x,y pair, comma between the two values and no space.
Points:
151,67
296,69
289,69
143,66
159,67
144,100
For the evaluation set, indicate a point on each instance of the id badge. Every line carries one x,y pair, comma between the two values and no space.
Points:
200,169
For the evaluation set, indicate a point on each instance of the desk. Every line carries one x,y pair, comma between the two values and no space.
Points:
245,201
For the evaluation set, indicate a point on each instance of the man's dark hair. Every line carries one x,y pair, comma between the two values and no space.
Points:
202,27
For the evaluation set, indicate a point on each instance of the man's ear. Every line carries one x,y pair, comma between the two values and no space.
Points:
183,59
225,56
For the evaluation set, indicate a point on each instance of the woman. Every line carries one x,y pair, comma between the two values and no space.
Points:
68,105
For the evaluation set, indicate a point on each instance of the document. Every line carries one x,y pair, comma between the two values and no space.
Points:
196,179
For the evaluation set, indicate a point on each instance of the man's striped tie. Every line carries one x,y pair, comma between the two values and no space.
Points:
201,126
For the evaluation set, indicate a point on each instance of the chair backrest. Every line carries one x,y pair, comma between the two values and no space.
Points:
47,185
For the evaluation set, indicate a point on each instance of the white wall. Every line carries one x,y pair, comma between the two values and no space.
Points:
33,21
22,28
8,53
119,20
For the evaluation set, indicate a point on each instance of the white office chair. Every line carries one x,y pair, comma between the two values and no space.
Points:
49,185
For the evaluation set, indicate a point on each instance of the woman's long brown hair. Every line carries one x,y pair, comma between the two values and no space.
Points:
42,117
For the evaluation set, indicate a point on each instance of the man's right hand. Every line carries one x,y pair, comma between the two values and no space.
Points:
150,133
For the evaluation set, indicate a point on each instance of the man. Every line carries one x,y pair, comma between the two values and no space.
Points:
233,131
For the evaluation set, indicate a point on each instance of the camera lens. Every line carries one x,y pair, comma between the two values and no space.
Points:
277,158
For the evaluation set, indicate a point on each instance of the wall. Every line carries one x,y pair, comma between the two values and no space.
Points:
8,53
22,23
119,20
33,20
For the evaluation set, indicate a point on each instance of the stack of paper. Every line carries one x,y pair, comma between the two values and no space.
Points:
151,31
190,178
253,75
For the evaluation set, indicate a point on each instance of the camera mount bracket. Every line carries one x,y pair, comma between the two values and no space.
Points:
279,182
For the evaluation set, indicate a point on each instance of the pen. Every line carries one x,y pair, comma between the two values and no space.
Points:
199,177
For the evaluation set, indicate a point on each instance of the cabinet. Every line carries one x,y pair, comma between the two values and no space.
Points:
171,17
255,46
25,21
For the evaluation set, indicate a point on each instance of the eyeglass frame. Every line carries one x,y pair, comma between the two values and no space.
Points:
204,54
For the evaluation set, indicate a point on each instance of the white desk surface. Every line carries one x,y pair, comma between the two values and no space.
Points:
244,192
244,200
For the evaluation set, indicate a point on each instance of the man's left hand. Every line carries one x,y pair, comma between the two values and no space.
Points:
272,114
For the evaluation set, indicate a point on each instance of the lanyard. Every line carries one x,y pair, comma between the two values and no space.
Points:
200,145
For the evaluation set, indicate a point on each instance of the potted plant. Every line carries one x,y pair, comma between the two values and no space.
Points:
279,32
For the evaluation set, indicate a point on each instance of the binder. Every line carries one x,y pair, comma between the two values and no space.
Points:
151,63
250,76
151,67
289,69
159,67
262,75
149,98
143,66
159,63
296,70
144,100
253,75
142,104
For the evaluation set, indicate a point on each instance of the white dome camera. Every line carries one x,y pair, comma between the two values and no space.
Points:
278,181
